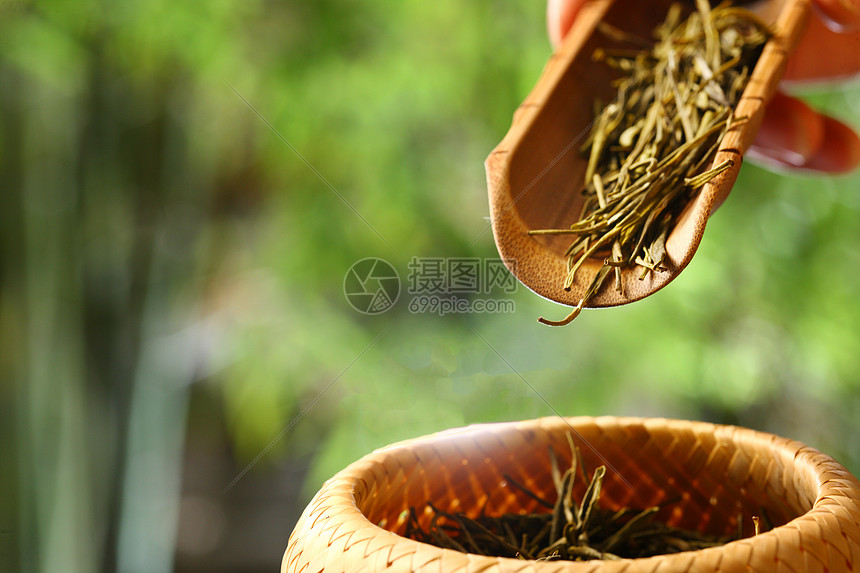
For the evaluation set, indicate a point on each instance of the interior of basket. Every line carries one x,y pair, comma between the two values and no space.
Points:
702,480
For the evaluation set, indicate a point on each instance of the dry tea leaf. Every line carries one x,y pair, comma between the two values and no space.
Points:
575,530
650,148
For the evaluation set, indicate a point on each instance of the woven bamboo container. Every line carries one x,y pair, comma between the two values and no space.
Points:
713,474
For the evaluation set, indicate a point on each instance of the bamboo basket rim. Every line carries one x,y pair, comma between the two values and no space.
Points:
334,534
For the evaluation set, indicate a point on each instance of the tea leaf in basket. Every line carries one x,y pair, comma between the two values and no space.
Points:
574,529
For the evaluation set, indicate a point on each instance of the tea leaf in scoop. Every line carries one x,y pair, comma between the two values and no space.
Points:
651,149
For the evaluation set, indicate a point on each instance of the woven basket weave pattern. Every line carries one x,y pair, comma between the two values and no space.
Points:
704,476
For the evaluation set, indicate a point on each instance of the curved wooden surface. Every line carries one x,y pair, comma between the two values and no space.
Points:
534,174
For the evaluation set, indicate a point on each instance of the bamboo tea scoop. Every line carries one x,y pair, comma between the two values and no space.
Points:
535,174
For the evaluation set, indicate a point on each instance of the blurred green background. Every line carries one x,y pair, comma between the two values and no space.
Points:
180,369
